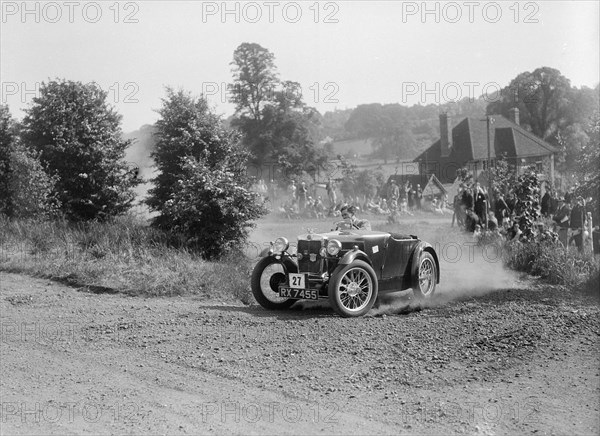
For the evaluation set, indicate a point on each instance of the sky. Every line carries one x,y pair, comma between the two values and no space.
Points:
343,53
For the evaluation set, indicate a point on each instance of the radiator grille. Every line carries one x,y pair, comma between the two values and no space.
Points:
306,248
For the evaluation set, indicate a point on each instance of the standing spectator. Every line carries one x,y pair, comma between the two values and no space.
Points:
561,218
467,199
292,191
480,204
546,203
410,193
262,189
273,191
419,196
501,210
553,205
576,223
394,191
331,194
459,211
511,202
302,196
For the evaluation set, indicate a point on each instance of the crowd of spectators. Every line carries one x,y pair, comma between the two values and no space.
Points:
566,218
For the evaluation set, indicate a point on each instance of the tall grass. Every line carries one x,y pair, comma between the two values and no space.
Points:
123,255
555,264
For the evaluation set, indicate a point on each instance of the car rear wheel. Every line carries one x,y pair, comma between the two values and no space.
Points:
353,289
427,277
267,275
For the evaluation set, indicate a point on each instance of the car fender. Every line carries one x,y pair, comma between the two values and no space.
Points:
290,263
353,255
414,262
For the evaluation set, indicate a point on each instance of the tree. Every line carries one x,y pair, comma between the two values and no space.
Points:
7,146
254,79
368,183
389,126
589,176
202,190
78,137
276,125
542,97
573,137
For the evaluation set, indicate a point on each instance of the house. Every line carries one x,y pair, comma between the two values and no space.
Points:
466,146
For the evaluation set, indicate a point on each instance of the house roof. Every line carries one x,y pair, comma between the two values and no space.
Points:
469,141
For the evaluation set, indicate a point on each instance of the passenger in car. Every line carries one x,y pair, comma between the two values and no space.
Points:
348,214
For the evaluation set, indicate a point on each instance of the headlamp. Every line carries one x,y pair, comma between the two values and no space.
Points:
333,247
280,245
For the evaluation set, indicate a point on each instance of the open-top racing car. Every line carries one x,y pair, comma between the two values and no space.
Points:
348,266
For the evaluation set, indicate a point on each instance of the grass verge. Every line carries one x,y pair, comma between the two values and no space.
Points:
124,255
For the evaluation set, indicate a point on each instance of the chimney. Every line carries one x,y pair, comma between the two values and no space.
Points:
514,115
445,134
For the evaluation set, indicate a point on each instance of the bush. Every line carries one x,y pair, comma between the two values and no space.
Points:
202,191
552,262
78,136
211,209
31,190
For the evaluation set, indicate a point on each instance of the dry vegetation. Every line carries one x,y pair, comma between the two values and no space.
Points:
127,256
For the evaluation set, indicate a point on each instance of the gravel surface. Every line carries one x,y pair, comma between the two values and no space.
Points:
519,360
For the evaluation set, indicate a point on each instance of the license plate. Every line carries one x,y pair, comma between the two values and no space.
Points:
297,281
299,294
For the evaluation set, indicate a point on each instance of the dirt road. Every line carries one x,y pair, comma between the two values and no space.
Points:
513,361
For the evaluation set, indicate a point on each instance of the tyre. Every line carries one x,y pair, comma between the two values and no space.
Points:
267,275
427,277
353,289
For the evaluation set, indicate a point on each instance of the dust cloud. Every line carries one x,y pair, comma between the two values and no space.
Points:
467,270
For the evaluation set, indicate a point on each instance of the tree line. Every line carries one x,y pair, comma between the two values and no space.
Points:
66,157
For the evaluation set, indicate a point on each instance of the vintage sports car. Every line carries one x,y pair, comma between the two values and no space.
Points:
348,266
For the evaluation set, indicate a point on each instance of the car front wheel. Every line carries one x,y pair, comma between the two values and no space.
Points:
353,289
427,277
267,275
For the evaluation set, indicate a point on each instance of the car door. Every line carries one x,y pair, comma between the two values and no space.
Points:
397,256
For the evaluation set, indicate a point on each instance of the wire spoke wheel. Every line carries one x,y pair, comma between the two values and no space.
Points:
353,289
427,276
356,289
